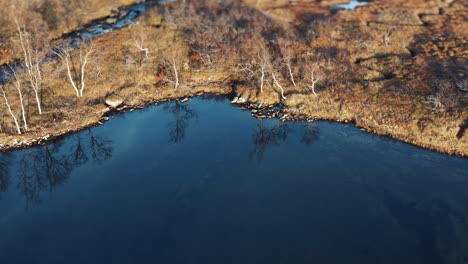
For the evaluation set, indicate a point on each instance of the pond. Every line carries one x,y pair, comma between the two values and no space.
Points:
205,182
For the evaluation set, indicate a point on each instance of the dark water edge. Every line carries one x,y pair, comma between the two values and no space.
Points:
204,182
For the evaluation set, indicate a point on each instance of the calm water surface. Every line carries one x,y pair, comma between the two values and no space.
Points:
204,182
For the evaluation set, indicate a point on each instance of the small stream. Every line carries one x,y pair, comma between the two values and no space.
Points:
123,18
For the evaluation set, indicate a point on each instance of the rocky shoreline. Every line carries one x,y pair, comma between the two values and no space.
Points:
257,110
384,87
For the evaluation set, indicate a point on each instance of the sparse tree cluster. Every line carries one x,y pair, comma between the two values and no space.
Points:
171,65
28,30
140,38
76,67
32,55
230,33
218,34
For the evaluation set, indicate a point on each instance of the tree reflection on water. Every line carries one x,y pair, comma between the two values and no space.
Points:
41,169
273,132
182,114
267,135
4,171
430,212
311,133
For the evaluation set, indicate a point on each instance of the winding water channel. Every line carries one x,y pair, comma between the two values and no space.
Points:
122,18
204,182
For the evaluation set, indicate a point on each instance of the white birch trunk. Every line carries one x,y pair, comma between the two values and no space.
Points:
18,128
176,74
275,81
32,67
65,55
291,75
23,112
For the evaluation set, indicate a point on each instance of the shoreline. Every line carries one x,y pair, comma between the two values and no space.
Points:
382,89
257,111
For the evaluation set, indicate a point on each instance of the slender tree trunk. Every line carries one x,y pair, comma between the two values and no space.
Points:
78,83
314,81
70,77
18,128
176,74
23,112
262,80
38,91
275,81
38,101
33,69
262,69
17,85
291,75
83,69
146,50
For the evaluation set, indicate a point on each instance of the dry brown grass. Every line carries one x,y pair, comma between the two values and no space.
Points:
52,18
380,88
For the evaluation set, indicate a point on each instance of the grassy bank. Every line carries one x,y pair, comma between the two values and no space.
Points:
50,20
386,88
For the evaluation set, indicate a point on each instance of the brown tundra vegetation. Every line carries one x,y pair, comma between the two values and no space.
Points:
396,68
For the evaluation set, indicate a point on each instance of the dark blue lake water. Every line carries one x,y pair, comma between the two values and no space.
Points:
204,182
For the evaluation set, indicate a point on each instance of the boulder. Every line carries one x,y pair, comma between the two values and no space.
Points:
123,13
111,20
241,100
114,103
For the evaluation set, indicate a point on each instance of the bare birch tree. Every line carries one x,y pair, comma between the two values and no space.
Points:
315,74
263,63
276,82
255,60
176,71
17,84
31,61
172,63
76,76
139,37
264,59
386,37
7,103
287,50
170,67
